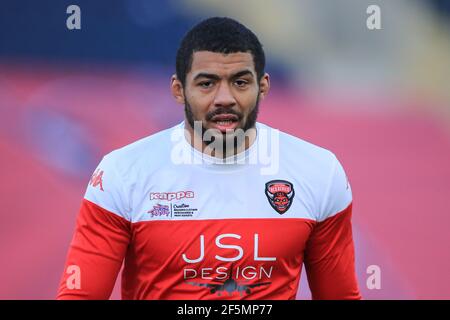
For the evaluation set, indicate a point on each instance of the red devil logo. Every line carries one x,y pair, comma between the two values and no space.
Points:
280,194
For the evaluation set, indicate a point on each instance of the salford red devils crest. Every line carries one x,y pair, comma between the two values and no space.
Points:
280,194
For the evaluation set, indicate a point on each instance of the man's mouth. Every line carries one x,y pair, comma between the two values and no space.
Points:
224,122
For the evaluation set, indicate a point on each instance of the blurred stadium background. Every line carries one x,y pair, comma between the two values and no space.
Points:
379,99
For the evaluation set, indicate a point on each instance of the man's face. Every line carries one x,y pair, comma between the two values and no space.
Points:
222,91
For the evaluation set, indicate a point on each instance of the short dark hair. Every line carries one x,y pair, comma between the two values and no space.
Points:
219,34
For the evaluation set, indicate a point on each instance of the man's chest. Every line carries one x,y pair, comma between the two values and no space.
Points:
195,231
200,196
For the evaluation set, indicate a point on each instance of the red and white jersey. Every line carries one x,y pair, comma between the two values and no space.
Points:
188,226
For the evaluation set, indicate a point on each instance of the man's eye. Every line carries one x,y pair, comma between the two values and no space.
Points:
241,83
206,84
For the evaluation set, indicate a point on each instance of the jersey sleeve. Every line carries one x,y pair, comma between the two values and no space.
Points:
101,238
329,254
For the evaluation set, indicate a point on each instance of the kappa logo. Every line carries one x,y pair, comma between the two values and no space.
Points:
169,196
280,194
96,179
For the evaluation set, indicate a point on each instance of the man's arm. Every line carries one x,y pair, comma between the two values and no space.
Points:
100,241
329,255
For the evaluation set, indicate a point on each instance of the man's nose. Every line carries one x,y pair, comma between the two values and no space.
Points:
224,97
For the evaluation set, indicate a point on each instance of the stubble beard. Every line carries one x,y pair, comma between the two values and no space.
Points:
226,139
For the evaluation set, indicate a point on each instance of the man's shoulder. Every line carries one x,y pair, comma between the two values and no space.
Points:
149,148
320,170
300,150
116,174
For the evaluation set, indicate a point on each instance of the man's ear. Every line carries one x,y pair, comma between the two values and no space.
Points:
177,89
264,86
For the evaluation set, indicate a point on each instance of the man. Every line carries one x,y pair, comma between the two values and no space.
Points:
191,210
